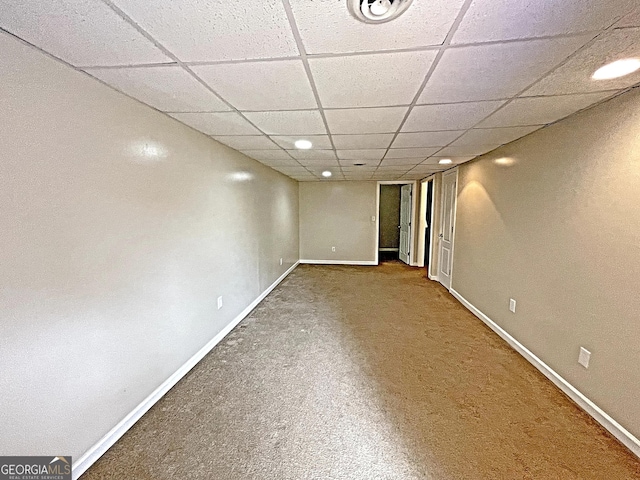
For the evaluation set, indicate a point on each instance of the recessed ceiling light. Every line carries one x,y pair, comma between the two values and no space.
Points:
616,69
445,161
326,174
377,11
303,144
359,164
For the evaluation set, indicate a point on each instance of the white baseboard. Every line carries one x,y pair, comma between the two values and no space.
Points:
106,442
433,277
602,417
340,262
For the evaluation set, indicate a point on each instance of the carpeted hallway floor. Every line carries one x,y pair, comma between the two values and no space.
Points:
364,373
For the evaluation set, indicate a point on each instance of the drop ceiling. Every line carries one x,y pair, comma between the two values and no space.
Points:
448,79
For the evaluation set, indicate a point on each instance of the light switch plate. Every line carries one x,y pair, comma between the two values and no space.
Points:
584,357
512,305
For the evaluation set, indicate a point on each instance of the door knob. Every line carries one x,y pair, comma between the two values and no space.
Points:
440,236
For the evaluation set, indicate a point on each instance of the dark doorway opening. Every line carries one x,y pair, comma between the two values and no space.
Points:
389,237
427,230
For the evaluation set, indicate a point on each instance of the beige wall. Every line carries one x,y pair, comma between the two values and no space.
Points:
559,231
338,214
112,257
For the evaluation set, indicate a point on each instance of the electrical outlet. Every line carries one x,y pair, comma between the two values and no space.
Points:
219,303
584,357
333,249
373,218
280,261
512,305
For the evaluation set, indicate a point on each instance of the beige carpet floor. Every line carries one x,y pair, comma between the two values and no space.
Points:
364,373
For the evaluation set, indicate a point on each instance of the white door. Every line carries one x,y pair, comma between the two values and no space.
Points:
405,222
446,227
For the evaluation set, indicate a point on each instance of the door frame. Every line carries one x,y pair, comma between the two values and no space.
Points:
414,216
453,171
422,224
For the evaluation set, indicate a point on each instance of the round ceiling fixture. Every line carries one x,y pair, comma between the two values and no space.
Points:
303,144
377,11
326,174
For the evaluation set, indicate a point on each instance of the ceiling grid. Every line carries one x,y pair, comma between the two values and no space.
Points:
448,78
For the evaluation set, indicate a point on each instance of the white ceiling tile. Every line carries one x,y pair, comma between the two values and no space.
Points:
167,88
540,110
376,140
326,26
433,162
401,162
451,116
223,123
426,139
320,163
313,154
467,150
277,163
273,85
244,142
359,170
209,30
631,20
492,72
492,136
368,154
411,152
300,170
80,32
301,122
489,20
365,120
277,157
321,142
393,168
370,80
575,75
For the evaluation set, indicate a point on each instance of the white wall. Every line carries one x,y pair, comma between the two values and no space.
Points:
553,221
111,257
338,214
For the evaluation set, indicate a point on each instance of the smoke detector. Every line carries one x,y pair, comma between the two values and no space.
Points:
377,11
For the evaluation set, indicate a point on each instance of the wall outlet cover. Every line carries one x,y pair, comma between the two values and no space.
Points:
584,357
219,303
280,261
512,305
333,249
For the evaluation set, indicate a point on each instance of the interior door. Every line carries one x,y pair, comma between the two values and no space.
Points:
405,223
446,227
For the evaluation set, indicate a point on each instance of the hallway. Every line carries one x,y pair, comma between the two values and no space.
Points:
364,373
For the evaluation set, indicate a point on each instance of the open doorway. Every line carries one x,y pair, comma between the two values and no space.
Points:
389,216
395,212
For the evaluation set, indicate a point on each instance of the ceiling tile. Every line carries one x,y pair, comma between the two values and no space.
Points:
492,136
376,140
278,163
273,85
631,20
242,30
490,20
424,23
575,75
224,123
411,152
401,161
365,120
467,150
167,88
80,32
278,157
300,122
492,72
370,80
432,162
313,154
425,169
300,170
321,164
243,142
450,116
540,110
394,168
287,141
358,170
426,139
368,154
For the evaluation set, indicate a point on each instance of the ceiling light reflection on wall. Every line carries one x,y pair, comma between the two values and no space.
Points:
504,161
303,144
617,69
240,176
146,151
445,161
326,174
